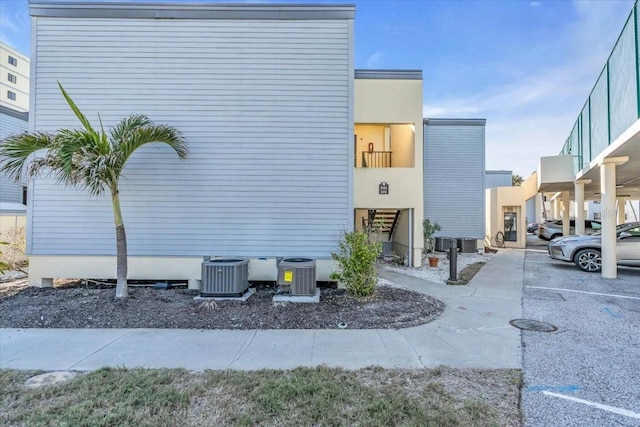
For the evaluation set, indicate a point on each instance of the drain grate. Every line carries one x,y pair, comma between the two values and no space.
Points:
533,325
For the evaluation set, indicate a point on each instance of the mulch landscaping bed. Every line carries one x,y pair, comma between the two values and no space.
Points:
94,306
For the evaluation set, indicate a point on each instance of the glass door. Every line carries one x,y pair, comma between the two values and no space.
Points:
510,226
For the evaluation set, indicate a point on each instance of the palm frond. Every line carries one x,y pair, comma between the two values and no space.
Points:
69,143
15,151
83,119
140,136
123,130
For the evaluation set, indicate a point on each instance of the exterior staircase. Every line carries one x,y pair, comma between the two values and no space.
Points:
382,221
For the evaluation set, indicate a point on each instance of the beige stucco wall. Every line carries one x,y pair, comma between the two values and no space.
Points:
403,152
388,101
21,71
9,221
498,200
530,186
383,101
555,170
148,268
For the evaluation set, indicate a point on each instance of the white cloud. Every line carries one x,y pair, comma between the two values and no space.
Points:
531,114
15,23
375,60
535,4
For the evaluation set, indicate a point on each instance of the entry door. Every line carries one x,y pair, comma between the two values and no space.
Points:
511,226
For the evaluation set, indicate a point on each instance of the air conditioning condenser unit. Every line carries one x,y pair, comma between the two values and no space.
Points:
299,274
224,277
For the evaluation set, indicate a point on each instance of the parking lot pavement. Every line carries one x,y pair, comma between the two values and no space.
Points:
587,373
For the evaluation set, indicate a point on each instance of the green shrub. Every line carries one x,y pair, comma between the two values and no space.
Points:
356,260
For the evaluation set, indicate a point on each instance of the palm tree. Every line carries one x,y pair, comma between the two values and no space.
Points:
89,160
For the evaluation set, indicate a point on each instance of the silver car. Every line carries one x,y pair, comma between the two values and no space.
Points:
585,251
552,229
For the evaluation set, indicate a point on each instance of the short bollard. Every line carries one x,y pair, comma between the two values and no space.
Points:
453,260
453,264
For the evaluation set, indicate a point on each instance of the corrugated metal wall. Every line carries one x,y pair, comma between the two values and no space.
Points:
11,123
454,174
264,104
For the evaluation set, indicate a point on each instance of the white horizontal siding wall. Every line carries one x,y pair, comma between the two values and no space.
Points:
11,123
265,106
454,173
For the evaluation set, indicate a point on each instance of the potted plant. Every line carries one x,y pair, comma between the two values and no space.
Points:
428,230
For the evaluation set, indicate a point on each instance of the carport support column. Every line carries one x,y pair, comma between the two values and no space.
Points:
579,213
555,208
608,203
621,205
566,223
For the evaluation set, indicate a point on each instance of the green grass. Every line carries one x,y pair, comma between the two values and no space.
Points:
300,397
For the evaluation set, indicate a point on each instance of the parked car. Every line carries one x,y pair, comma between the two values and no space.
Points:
552,228
533,227
585,251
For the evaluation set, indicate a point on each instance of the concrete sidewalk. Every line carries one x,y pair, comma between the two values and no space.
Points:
472,332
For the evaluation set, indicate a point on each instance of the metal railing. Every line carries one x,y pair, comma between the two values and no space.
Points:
376,159
614,103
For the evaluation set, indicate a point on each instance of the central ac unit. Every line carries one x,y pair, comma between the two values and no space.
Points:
224,277
299,274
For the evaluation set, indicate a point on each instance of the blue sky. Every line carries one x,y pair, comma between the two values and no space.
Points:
526,66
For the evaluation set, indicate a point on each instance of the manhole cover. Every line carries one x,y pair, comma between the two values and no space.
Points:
533,325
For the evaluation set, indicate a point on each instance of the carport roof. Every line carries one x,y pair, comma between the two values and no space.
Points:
627,174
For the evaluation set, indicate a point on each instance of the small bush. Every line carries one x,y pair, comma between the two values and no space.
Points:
356,260
428,230
13,256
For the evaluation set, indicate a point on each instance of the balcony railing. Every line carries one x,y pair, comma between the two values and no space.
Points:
614,103
376,159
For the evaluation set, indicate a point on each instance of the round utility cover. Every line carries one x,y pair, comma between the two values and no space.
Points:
533,325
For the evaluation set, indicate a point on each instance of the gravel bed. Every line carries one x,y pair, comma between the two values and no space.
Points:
439,274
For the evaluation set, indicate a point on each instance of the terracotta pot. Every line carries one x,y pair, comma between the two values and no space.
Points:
433,262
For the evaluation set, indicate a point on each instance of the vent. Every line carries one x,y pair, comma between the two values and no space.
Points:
299,274
224,277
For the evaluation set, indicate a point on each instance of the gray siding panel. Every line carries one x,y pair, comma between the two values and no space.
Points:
498,179
454,172
11,123
264,106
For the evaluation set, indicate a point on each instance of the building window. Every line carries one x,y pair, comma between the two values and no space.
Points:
11,95
13,61
12,78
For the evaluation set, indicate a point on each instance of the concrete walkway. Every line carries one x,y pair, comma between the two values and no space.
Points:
472,332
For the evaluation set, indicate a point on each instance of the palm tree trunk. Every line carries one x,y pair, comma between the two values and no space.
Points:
122,291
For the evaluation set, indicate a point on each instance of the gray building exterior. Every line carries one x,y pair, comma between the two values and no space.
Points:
11,122
263,95
454,176
498,178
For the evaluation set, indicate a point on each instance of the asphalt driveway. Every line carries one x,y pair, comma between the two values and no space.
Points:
587,373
